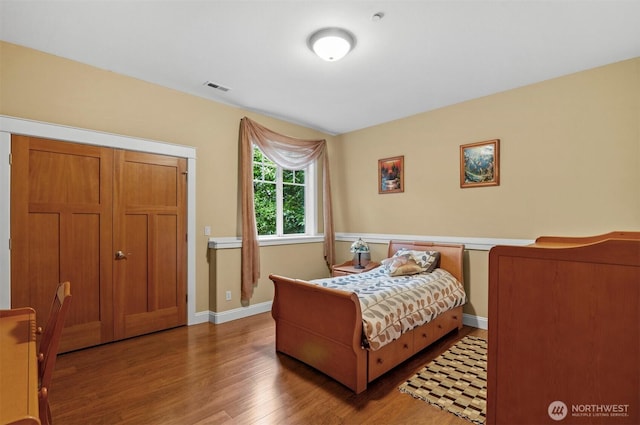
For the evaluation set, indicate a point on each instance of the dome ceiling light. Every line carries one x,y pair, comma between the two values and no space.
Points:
331,44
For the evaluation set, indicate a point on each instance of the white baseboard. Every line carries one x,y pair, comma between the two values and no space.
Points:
475,321
242,312
239,313
200,317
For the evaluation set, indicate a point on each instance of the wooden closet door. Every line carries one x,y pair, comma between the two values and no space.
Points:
150,235
61,229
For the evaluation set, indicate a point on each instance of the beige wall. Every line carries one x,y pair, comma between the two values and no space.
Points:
569,148
42,87
570,162
570,165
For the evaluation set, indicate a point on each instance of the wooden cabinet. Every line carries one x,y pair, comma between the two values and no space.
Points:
347,268
563,331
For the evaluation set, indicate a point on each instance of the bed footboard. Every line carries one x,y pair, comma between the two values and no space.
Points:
321,327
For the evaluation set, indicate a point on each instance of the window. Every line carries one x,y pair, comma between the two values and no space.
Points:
284,199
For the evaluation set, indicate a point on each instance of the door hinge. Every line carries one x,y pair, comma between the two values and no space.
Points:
186,298
10,159
186,174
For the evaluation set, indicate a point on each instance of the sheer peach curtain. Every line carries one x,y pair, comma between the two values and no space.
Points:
290,153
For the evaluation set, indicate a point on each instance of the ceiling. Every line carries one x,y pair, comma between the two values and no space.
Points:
420,56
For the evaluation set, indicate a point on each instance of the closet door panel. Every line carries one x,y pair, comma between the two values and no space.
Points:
61,229
150,231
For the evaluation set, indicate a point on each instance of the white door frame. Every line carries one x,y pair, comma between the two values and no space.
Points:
10,125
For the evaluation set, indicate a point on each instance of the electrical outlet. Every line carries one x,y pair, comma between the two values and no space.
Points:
207,230
228,295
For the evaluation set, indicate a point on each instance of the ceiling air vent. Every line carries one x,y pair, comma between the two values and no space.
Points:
216,86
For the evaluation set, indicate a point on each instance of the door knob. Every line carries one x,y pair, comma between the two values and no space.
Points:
120,255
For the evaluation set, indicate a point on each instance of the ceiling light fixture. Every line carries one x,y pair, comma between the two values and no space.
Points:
331,44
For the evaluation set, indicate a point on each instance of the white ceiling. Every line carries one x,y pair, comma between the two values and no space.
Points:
422,55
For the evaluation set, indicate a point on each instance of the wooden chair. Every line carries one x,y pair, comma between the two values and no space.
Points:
48,349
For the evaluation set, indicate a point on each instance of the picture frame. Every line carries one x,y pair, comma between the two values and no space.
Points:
391,175
480,164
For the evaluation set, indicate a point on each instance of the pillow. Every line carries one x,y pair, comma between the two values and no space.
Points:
410,267
400,265
406,262
426,259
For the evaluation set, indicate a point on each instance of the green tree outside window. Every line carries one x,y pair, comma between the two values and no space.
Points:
279,197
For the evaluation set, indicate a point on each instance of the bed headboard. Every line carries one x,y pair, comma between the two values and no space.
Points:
451,255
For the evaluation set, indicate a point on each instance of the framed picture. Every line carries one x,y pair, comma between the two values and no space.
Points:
480,164
391,175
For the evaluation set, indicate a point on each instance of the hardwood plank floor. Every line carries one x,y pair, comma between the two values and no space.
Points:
227,374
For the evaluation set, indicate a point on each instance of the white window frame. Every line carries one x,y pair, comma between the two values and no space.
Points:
310,204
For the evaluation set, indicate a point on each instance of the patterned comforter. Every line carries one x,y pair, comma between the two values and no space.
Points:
393,305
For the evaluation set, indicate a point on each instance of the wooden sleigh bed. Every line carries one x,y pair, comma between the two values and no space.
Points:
323,327
564,331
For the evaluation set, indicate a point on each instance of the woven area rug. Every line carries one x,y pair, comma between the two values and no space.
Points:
455,381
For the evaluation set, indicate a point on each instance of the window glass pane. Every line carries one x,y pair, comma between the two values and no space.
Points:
269,173
293,176
257,154
293,209
257,171
265,205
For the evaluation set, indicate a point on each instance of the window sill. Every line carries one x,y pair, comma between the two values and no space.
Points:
234,242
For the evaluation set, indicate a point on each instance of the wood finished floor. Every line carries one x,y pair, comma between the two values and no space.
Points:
227,374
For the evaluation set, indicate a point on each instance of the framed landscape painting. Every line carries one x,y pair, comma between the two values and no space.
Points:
480,164
391,175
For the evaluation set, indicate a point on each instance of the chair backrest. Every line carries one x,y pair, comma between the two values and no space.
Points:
48,349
